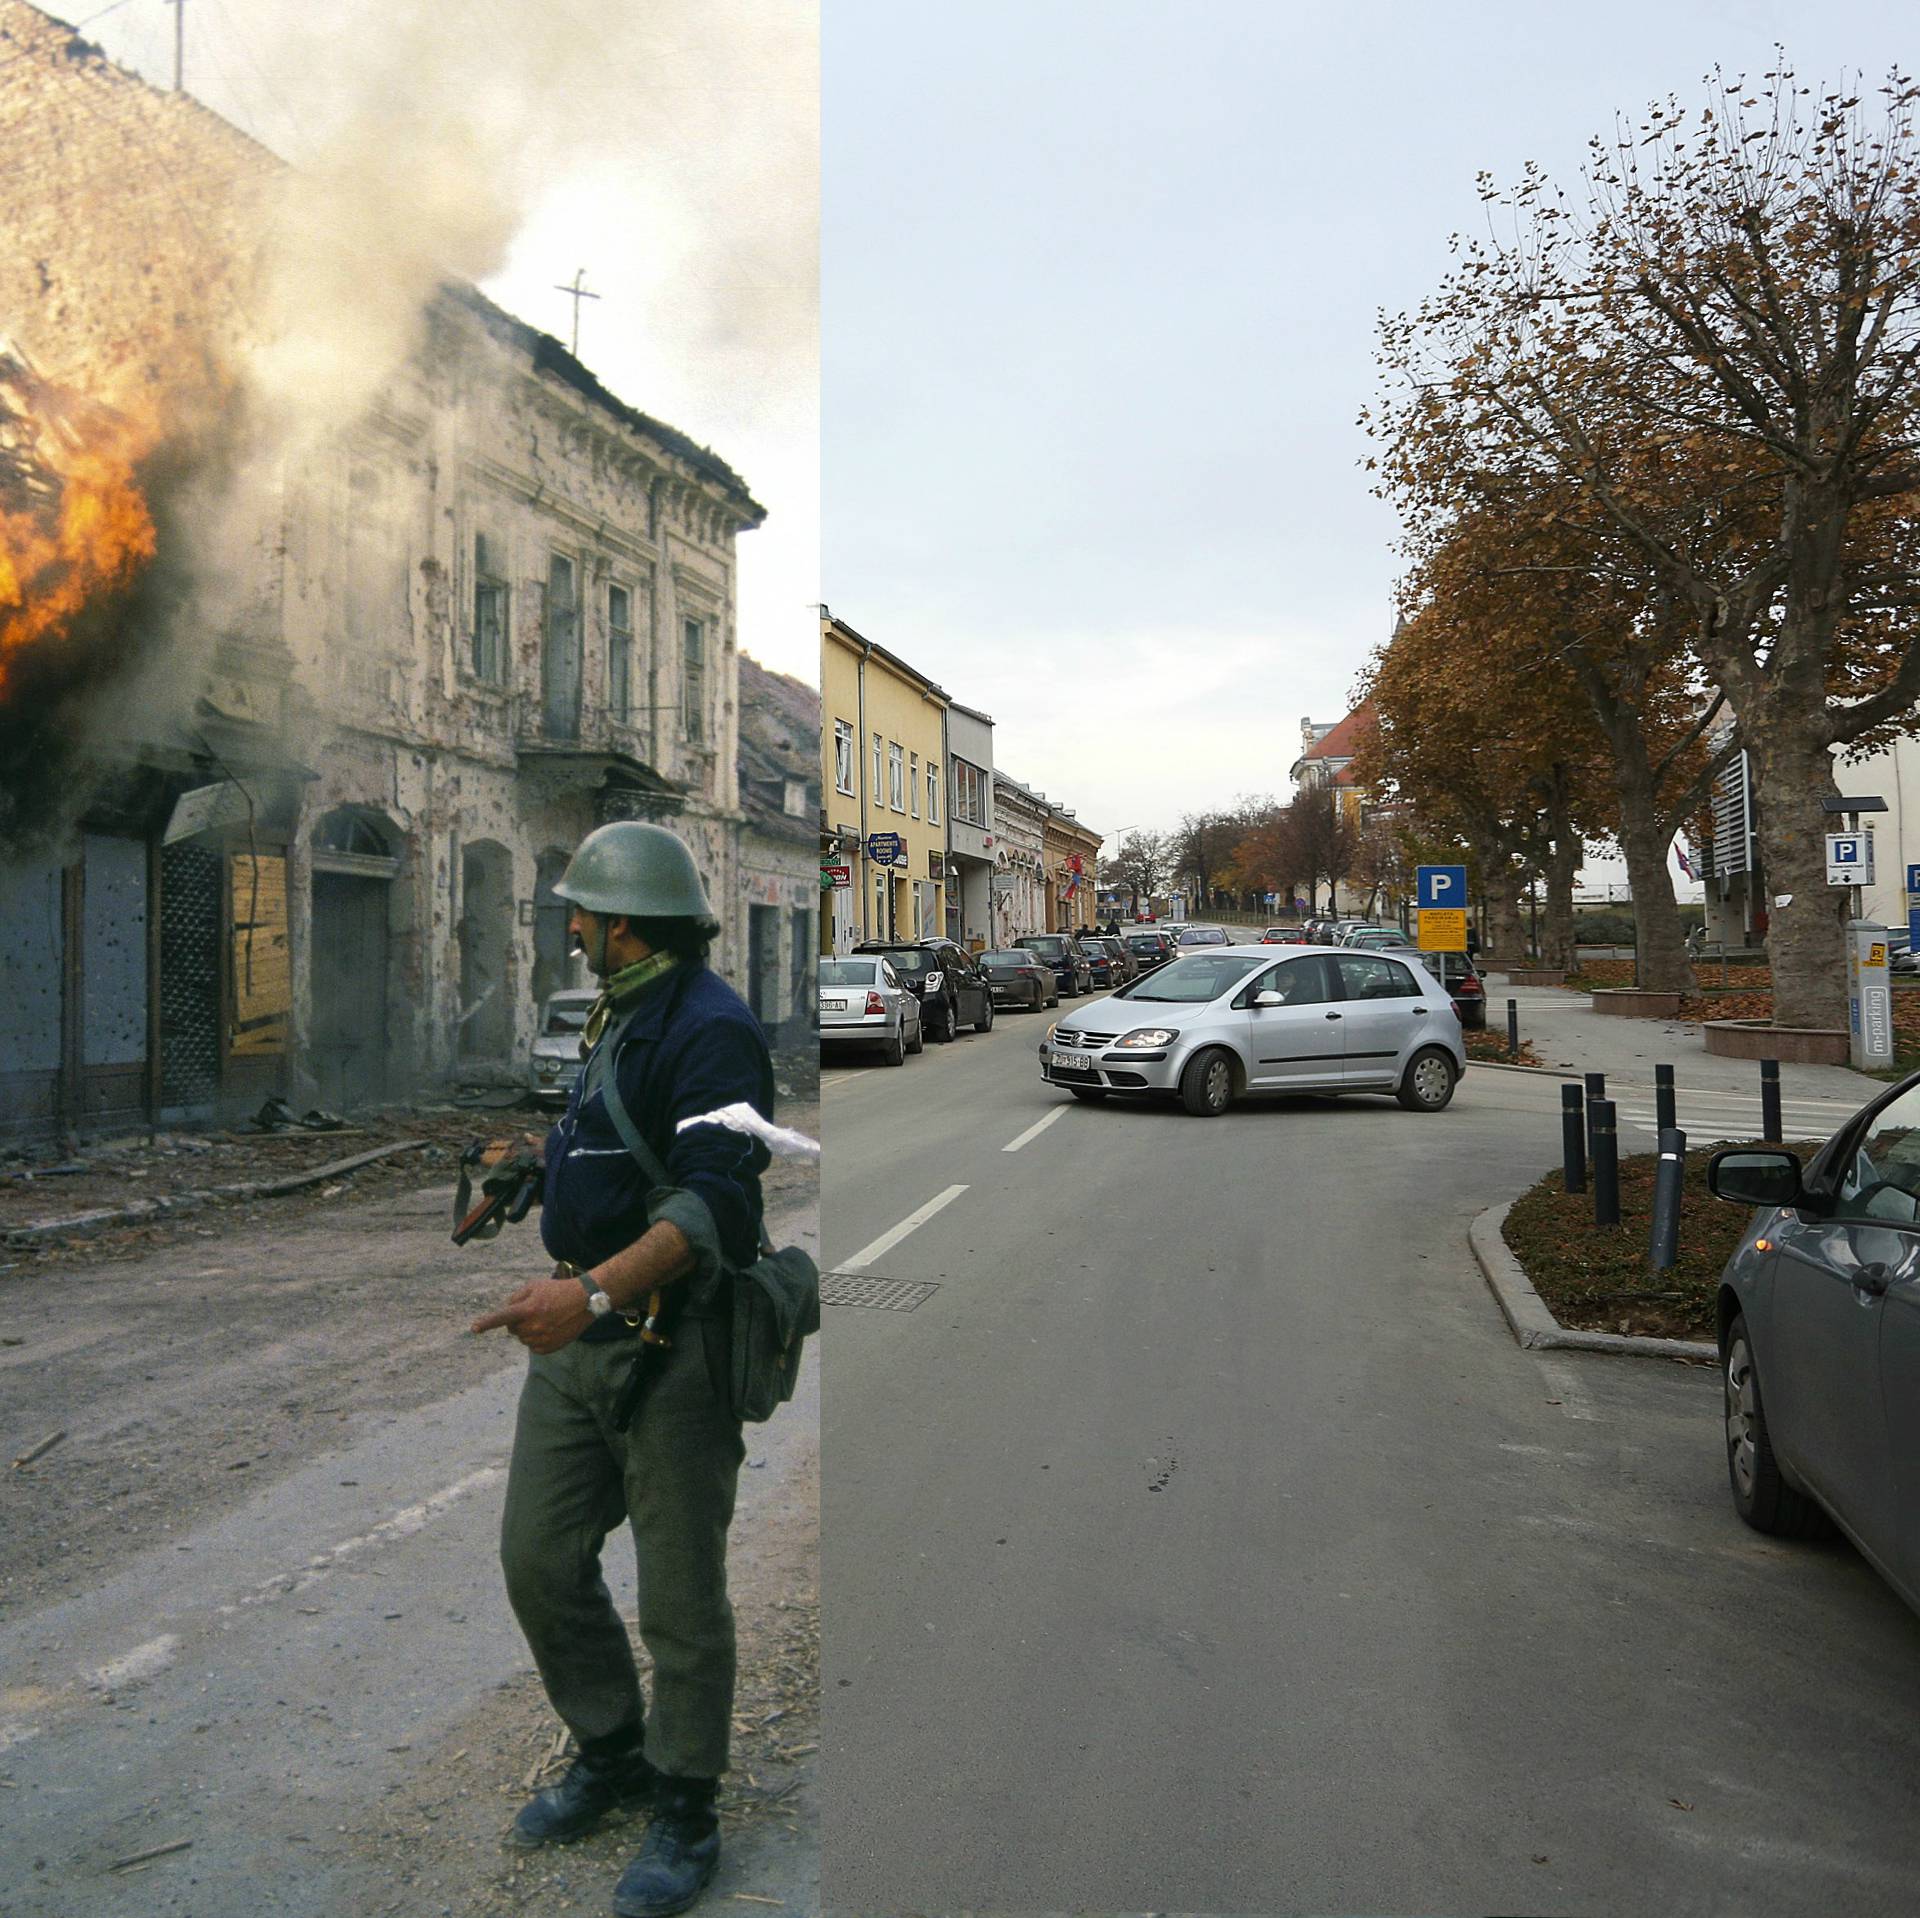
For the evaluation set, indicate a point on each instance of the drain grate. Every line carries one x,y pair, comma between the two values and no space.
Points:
891,1295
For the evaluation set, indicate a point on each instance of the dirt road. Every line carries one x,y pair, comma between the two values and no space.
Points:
250,1598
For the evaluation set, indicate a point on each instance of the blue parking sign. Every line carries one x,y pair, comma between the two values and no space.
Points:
1440,885
1913,878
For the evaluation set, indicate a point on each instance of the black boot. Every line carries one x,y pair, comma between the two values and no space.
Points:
680,1855
604,1777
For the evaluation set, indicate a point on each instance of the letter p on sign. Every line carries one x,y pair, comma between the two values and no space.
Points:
1440,885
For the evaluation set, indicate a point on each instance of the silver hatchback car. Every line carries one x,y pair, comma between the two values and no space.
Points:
1214,1024
1819,1321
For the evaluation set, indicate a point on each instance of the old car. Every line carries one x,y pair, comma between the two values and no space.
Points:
1819,1336
556,1046
1215,1024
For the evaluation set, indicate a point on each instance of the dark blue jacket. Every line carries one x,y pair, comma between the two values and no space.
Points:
690,1046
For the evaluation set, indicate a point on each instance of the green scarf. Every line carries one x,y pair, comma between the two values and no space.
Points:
618,990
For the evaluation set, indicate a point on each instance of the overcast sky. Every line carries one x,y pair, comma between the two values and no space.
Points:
670,147
1100,287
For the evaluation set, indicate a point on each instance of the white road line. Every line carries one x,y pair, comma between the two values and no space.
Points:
1034,1131
894,1234
1568,1390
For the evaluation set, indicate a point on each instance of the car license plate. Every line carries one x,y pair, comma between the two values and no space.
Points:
1074,1061
833,1005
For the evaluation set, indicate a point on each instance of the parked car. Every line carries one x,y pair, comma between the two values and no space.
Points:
556,1046
952,990
1283,936
1109,963
1819,1334
1020,978
1192,935
1149,949
1061,951
1213,1025
1372,938
1464,986
863,1001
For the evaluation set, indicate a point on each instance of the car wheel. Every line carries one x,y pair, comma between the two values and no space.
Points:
1206,1086
1427,1085
946,1027
918,1043
985,1022
1053,1003
1760,1494
1091,1094
897,1050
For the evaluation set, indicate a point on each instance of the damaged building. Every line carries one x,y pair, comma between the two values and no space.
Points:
301,837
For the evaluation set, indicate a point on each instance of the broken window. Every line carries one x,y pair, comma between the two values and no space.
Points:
489,610
561,661
694,680
619,652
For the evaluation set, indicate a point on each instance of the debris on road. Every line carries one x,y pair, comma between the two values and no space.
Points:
45,1446
151,1853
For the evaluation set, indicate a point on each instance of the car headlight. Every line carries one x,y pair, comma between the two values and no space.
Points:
549,1067
934,981
1051,1030
1149,1037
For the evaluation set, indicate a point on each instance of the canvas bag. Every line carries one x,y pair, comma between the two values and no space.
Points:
762,1316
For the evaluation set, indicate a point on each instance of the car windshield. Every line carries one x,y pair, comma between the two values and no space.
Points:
1204,936
847,972
1052,945
1008,959
1195,980
568,1015
912,958
1145,942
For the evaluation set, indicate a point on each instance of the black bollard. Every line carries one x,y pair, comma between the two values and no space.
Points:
1663,1113
1573,1138
1513,1030
1663,1247
1606,1162
1596,1089
1770,1127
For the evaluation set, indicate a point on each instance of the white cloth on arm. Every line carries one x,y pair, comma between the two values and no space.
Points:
741,1117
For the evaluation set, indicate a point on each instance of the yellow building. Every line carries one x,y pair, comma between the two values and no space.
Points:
883,772
1072,855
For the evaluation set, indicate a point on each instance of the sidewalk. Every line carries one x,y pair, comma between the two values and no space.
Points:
1570,1038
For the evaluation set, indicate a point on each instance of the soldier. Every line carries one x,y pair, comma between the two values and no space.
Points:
638,1258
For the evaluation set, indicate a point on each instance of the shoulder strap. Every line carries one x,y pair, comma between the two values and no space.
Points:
629,1132
617,1107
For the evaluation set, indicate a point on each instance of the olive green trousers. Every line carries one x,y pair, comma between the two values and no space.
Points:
671,1476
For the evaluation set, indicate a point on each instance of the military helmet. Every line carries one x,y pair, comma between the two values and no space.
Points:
639,871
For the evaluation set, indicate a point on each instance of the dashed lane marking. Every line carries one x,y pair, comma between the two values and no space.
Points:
894,1234
1034,1131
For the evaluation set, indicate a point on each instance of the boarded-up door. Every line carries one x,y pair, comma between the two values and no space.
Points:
349,988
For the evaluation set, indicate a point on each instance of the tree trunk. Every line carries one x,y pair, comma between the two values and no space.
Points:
1806,938
1506,928
1563,863
1658,930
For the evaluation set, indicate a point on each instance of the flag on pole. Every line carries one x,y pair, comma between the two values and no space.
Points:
1685,864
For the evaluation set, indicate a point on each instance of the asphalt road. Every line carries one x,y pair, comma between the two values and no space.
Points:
1202,1541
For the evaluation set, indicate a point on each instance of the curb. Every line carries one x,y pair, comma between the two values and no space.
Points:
192,1200
1531,1321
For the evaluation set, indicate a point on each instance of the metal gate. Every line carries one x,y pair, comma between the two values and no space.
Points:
189,975
349,1052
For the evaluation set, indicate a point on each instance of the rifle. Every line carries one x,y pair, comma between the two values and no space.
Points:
511,1179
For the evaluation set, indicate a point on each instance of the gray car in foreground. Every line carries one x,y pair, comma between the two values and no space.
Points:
1819,1322
1212,1025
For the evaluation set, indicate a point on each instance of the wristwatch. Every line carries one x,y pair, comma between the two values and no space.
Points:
598,1303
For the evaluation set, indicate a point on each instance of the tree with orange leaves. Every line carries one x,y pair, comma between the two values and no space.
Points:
1718,354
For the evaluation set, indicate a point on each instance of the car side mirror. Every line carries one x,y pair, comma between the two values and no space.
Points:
1268,998
1755,1177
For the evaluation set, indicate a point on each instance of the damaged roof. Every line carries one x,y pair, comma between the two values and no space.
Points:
549,356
